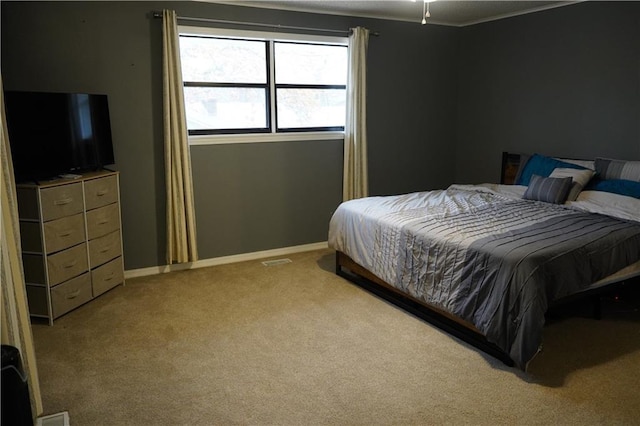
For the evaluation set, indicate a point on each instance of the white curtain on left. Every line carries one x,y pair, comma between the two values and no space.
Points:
16,326
181,222
355,174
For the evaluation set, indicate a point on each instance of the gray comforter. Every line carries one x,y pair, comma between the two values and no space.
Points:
492,260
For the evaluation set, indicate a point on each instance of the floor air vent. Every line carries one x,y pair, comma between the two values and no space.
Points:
276,262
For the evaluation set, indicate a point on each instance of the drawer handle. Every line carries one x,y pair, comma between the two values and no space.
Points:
102,192
66,234
103,222
110,277
71,264
63,201
106,249
73,295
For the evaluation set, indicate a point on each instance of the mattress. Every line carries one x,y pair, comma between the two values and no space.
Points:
485,255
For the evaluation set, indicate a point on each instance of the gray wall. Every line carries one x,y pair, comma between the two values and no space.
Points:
561,82
252,197
411,101
248,197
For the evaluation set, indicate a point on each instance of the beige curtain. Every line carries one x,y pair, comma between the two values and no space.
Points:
181,223
355,176
16,327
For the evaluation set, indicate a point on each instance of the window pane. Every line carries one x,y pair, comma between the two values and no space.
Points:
221,60
300,108
310,64
225,108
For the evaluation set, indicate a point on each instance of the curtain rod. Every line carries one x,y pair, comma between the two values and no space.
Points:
157,14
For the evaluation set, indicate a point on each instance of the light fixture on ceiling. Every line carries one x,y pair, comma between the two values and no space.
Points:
425,10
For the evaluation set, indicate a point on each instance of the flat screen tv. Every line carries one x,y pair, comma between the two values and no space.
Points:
57,133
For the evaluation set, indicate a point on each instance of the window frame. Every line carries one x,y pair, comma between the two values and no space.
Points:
271,133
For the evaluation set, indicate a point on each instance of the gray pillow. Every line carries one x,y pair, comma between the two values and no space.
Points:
549,190
618,169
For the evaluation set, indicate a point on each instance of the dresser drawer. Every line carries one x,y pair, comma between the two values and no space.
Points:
100,192
104,248
103,220
37,299
30,236
28,202
67,264
64,232
107,276
60,201
70,294
34,268
59,234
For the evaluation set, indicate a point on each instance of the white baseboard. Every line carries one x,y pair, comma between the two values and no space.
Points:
133,273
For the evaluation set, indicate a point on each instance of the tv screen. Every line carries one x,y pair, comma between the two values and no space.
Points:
57,133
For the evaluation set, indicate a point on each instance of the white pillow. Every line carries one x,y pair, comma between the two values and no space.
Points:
580,177
610,204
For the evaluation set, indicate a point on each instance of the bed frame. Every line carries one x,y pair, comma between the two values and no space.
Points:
463,330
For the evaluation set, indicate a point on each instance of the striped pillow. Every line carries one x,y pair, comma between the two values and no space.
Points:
580,179
618,169
549,190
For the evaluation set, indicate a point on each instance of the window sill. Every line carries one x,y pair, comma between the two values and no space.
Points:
264,137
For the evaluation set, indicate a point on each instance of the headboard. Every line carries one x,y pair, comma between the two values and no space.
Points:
510,165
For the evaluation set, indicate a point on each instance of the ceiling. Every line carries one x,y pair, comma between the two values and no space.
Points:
443,12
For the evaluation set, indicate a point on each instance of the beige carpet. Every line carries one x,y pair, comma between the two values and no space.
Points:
294,344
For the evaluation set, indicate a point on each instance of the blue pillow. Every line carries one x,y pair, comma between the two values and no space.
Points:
615,186
541,166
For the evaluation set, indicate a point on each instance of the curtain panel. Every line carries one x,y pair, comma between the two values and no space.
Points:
355,175
16,325
181,223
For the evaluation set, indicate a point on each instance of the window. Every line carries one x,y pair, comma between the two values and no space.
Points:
256,83
226,85
310,86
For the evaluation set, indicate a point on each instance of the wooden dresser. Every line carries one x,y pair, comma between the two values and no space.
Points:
71,241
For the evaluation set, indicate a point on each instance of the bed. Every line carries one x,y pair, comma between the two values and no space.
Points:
485,262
